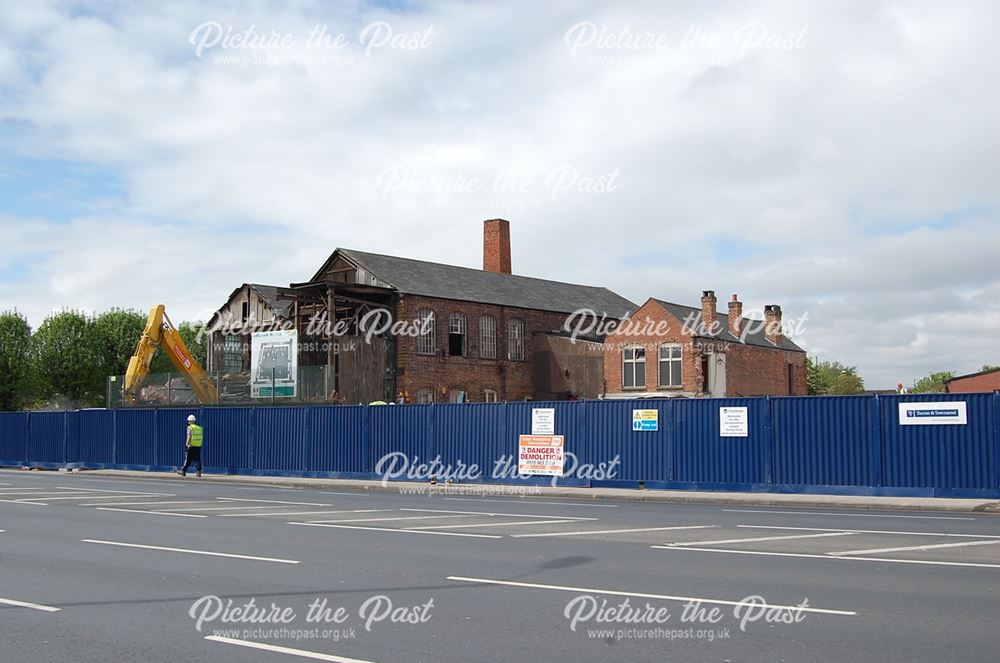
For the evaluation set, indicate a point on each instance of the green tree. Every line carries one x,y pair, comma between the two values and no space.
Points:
831,378
933,383
67,361
989,367
195,343
116,333
15,361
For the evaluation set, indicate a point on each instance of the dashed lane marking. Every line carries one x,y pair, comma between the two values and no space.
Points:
405,531
302,653
612,531
208,553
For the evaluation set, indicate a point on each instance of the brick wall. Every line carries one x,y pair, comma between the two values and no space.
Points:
984,382
750,370
512,380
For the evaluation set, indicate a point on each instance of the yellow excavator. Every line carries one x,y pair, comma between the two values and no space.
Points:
160,331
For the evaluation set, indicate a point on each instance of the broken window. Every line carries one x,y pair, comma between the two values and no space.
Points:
456,335
425,395
490,395
634,367
232,354
515,340
426,341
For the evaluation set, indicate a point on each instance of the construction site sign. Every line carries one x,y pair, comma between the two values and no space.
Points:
274,363
540,455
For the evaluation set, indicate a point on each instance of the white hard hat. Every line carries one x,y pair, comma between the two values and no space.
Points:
191,417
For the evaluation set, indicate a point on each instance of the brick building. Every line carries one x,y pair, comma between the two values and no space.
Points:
987,381
464,334
666,349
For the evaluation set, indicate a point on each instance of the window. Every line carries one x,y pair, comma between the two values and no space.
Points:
634,367
245,311
425,395
232,354
487,337
426,341
670,366
490,395
456,335
515,340
458,396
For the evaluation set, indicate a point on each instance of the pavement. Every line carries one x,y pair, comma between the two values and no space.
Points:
678,496
116,566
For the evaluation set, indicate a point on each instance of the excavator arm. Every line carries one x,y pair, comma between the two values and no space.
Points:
159,332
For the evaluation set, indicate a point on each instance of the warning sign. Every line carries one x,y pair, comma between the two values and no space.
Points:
645,419
733,422
540,454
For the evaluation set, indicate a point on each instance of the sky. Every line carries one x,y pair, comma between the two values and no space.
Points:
839,159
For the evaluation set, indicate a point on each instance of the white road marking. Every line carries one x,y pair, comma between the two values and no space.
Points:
370,520
301,513
284,650
6,484
240,499
761,538
960,544
523,500
63,496
192,552
20,502
643,595
145,503
132,481
850,515
520,522
304,490
25,604
612,531
215,508
21,489
155,513
2,530
127,492
491,514
870,531
812,556
405,531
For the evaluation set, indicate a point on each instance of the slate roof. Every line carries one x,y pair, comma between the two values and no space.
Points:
756,337
431,279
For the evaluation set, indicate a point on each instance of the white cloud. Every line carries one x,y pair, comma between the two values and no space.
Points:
828,165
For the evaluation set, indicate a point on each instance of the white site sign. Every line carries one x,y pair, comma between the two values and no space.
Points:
543,421
274,363
933,414
734,422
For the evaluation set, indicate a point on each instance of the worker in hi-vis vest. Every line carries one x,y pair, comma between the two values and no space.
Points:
192,445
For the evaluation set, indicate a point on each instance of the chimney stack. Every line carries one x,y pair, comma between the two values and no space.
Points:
735,316
708,311
496,246
772,323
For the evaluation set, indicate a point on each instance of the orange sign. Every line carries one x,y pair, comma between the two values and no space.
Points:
540,454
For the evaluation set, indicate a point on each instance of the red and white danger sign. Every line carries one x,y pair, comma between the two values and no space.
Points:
540,454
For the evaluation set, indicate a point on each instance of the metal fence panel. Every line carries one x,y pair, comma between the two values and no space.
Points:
279,436
822,441
939,456
338,439
47,437
228,440
642,455
171,425
399,436
13,438
702,455
569,422
135,437
97,437
472,434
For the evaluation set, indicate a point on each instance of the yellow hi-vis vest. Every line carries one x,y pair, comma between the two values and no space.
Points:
197,435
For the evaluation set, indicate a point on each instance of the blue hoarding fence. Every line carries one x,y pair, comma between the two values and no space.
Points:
928,445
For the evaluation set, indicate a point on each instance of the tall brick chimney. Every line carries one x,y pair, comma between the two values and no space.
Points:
496,246
772,323
708,318
735,316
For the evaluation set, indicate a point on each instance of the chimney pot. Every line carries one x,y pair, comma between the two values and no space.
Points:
772,323
496,246
735,317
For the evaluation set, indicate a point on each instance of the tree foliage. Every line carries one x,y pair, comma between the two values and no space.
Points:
68,362
16,385
116,333
933,383
831,378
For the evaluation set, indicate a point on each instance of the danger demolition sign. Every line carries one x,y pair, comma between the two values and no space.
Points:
540,455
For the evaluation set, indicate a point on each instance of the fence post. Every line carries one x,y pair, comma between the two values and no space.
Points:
768,442
877,478
996,439
307,438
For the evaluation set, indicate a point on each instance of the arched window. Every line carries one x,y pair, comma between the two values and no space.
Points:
487,337
515,340
457,335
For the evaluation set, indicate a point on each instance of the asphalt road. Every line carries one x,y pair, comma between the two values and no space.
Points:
113,569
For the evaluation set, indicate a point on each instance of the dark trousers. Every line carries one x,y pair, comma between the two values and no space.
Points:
193,455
